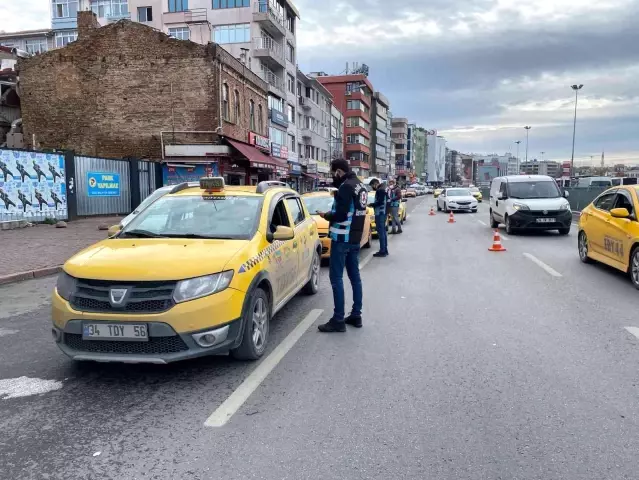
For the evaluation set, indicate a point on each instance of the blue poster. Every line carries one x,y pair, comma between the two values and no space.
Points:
32,185
103,184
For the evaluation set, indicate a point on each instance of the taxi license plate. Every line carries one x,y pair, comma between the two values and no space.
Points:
115,331
545,220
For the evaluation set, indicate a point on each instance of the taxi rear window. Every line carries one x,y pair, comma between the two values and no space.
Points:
194,216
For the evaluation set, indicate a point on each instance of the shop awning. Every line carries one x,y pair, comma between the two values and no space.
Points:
253,155
311,175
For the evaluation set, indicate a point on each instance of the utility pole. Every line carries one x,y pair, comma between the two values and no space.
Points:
527,127
576,88
542,156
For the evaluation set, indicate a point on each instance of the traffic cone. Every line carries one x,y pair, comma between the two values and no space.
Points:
451,218
497,246
432,211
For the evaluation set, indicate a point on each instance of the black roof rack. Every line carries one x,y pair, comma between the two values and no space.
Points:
265,185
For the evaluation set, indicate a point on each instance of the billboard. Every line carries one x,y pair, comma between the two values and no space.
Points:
467,170
32,186
486,173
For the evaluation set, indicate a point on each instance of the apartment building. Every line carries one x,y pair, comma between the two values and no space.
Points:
418,152
543,167
399,135
381,141
352,95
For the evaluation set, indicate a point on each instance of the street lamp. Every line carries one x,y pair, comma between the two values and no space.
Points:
518,142
576,88
542,156
527,127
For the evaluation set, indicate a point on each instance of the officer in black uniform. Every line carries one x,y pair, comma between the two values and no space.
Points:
346,226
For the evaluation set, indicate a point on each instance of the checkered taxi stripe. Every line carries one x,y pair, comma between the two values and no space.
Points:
251,262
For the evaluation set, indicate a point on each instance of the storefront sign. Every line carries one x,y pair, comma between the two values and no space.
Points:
292,157
279,151
323,168
284,152
278,118
295,168
100,184
311,168
259,141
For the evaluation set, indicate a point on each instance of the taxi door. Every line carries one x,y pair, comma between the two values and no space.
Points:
598,222
619,238
283,262
304,229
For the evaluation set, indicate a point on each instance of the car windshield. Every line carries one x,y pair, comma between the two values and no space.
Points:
542,189
318,204
195,216
458,192
474,189
147,201
600,183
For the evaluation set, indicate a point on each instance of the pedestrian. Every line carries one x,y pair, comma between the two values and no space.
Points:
379,207
346,226
395,200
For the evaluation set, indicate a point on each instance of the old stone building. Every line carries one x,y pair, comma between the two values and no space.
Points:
113,91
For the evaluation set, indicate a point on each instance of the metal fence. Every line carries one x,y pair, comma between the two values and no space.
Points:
147,179
579,198
112,201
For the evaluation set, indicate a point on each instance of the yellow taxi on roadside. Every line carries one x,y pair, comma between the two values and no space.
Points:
323,202
401,212
476,193
609,231
437,192
200,271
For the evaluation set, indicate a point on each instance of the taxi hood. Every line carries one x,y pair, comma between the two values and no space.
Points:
149,259
322,224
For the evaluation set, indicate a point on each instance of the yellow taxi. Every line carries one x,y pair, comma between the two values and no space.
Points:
437,192
200,271
323,202
609,232
476,193
401,212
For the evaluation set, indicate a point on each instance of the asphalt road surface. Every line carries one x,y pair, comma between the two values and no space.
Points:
471,365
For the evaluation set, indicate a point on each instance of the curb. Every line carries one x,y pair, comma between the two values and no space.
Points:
22,276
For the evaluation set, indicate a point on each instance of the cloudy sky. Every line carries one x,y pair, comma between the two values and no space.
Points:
478,70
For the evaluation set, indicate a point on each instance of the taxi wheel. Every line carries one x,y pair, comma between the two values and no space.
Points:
370,239
256,328
312,287
583,248
633,269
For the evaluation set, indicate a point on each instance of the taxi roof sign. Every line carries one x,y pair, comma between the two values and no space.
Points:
212,183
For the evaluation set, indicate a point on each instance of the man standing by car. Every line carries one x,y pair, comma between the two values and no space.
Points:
395,199
346,220
380,215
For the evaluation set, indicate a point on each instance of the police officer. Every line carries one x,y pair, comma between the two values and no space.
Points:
395,199
380,215
346,226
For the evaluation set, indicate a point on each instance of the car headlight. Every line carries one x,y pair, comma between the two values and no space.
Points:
520,206
565,206
199,287
65,286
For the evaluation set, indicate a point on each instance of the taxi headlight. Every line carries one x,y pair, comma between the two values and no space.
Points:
65,285
520,206
565,206
199,287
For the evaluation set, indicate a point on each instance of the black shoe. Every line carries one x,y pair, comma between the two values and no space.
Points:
400,231
332,327
380,254
393,232
354,320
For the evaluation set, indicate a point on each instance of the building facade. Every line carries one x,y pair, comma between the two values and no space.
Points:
543,167
436,156
399,135
352,96
419,152
381,130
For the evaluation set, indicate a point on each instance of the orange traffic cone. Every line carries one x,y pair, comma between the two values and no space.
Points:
497,246
451,218
432,211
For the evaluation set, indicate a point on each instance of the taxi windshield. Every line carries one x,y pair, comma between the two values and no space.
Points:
523,190
458,192
319,204
195,216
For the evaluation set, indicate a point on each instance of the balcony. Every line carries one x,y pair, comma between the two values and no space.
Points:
269,52
304,102
275,83
306,133
269,19
116,17
197,15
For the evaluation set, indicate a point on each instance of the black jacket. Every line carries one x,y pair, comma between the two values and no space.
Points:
347,217
381,198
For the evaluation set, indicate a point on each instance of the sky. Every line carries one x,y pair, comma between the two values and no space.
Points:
478,71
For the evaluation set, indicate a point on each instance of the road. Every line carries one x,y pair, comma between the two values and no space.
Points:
471,365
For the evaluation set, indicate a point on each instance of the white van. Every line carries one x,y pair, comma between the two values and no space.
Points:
531,202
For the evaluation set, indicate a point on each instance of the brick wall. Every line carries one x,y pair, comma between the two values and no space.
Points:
111,93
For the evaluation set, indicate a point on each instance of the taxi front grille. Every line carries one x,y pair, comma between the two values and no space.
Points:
155,345
143,297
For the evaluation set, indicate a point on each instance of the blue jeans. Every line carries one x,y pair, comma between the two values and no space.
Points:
345,255
380,224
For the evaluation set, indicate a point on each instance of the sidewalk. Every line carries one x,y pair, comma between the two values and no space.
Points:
37,251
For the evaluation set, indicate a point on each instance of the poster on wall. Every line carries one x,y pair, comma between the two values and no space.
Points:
32,186
174,173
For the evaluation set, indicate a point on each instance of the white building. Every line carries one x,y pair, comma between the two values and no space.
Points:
508,164
436,157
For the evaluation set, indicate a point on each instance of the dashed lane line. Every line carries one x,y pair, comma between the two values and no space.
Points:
633,330
482,222
234,402
542,265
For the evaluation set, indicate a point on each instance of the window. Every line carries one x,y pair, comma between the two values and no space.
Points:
36,46
230,4
225,102
605,201
297,212
300,118
236,33
145,14
290,83
276,103
299,148
62,39
280,217
65,8
291,142
260,119
290,53
237,106
357,122
299,89
291,113
181,33
252,115
178,5
110,8
357,139
290,23
277,136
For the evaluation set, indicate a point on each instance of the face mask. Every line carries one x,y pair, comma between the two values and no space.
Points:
337,181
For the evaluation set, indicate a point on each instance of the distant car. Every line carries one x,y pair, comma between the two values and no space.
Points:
410,193
456,199
476,193
437,192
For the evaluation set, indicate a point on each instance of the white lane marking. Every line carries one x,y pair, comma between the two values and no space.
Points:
7,331
541,264
504,237
633,330
25,387
483,223
234,402
365,261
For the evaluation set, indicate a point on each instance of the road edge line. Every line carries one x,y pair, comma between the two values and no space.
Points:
241,394
29,275
542,265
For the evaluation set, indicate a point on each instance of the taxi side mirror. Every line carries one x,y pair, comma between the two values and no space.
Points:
283,233
114,230
620,212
